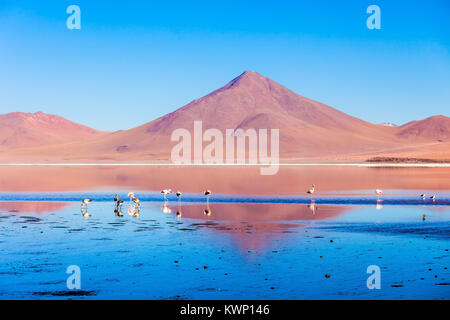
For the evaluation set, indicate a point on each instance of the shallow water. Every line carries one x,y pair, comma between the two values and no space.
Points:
246,248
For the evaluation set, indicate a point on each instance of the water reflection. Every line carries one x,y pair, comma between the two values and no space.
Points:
165,208
253,226
260,212
31,207
84,212
117,213
237,180
312,206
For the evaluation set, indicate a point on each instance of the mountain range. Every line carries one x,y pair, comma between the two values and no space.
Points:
309,130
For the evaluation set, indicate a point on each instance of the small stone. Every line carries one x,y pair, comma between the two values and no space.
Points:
327,276
331,241
205,267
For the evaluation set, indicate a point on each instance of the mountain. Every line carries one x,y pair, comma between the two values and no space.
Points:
388,124
20,130
308,129
432,128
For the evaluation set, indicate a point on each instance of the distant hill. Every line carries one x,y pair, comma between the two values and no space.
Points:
19,130
432,128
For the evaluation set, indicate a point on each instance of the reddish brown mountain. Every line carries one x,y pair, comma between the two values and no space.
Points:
19,130
308,129
432,128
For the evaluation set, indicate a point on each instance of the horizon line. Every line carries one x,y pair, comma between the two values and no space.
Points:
164,164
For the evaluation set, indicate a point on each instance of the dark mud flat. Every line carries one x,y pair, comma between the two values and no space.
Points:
71,293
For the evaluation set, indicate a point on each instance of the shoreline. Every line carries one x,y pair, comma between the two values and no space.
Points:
166,164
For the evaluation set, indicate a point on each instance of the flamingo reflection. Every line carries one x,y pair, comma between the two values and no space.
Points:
312,206
165,208
207,211
131,210
117,213
85,213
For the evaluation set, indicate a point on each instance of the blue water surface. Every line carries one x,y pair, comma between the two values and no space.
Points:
242,248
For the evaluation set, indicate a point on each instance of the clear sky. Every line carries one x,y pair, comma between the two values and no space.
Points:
133,61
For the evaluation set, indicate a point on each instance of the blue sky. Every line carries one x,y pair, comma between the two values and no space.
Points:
133,61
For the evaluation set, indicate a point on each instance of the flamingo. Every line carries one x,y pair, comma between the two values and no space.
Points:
84,203
137,202
165,192
312,190
207,194
179,204
130,195
118,213
378,191
207,210
119,204
118,208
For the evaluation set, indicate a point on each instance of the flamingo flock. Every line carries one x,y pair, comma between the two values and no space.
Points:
135,204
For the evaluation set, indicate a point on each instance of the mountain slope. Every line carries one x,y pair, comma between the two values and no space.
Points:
432,128
19,130
307,128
